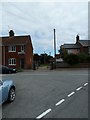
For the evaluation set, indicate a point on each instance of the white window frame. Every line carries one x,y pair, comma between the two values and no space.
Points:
69,51
12,48
12,61
22,48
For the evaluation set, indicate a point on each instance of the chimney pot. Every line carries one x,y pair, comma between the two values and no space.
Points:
77,38
11,33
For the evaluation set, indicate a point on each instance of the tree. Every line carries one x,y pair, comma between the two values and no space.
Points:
42,58
36,57
63,53
82,57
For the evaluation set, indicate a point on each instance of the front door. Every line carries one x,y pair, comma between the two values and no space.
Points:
22,63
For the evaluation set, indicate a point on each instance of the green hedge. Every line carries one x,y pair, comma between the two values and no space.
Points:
72,59
83,58
75,59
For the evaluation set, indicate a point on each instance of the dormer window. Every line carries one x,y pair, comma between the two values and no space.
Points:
22,48
12,48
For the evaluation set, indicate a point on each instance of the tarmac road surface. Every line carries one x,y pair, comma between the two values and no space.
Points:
49,94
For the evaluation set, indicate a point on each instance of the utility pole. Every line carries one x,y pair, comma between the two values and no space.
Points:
55,47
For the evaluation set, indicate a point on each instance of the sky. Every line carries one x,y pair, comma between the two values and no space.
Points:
38,19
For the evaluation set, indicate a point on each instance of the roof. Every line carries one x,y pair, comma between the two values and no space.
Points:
84,43
70,46
15,40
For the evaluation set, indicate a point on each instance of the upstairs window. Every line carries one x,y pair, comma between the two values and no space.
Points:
12,48
69,51
22,48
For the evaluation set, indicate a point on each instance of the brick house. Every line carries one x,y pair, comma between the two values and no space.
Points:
17,51
81,46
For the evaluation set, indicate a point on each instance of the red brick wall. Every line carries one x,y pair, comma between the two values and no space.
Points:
13,55
83,49
28,55
75,51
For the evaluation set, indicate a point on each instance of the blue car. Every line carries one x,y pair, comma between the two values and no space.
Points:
7,91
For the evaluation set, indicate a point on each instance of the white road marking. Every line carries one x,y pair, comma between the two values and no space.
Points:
79,88
70,94
43,114
85,84
34,74
58,103
61,101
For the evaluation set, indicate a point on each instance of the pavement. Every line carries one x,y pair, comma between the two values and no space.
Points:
49,94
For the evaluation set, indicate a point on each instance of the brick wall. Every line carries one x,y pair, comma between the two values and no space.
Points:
9,55
83,49
80,65
75,51
28,55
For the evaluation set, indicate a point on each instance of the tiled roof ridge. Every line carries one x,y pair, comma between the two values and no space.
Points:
15,40
14,36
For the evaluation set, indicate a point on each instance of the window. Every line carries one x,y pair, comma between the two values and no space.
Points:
12,48
69,51
22,48
89,50
12,61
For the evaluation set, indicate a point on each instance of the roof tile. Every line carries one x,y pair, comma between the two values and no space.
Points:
15,40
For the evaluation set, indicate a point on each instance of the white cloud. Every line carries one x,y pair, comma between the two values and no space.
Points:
45,1
39,19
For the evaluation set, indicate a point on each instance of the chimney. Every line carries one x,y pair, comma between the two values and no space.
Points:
11,33
77,38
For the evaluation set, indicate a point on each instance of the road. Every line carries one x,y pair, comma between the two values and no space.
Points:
49,94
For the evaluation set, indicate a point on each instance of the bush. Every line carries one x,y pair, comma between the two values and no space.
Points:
63,53
72,59
83,57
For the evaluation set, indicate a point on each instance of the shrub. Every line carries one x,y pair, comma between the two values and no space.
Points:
83,57
72,59
63,53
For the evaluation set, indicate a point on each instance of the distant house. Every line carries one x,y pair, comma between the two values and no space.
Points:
71,48
81,46
58,58
17,51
